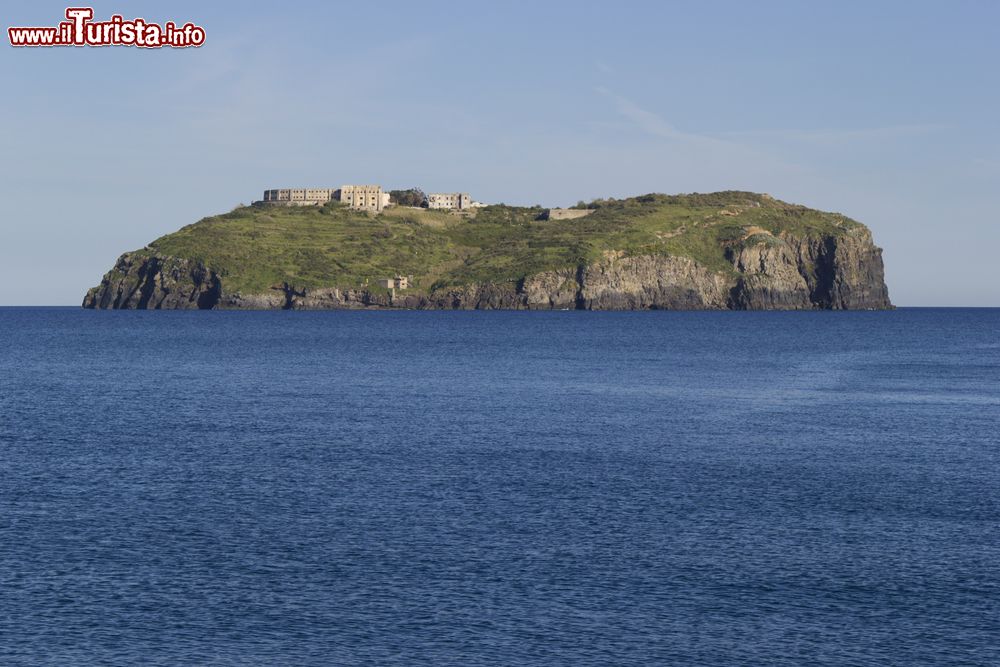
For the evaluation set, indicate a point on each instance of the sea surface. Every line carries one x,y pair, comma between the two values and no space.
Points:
499,488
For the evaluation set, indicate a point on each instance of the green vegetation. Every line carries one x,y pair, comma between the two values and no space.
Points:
411,197
256,247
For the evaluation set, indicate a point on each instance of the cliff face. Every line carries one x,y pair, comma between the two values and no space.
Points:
151,282
837,273
768,273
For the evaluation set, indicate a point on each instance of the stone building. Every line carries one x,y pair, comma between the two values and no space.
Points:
564,213
299,196
363,197
358,197
449,200
399,282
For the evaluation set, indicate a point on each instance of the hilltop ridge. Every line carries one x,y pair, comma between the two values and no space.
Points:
737,250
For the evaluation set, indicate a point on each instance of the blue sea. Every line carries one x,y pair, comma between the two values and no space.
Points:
499,488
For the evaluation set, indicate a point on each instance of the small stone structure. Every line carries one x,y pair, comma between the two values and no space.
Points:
399,282
565,213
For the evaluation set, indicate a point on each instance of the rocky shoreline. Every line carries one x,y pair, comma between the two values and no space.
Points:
842,272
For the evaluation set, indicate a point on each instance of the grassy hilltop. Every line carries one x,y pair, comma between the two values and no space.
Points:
254,248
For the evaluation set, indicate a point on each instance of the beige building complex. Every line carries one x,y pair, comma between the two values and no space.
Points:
299,196
363,197
358,197
450,200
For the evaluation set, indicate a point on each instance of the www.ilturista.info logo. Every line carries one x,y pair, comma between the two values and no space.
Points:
80,30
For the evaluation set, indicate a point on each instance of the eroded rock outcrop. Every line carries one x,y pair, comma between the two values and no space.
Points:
618,282
141,281
793,273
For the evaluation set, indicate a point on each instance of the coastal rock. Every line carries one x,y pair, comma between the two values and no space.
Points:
791,273
650,282
478,296
552,290
767,272
142,282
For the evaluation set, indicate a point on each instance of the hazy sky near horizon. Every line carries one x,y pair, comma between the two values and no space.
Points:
888,112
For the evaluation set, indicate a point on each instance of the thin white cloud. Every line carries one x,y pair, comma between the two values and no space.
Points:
656,125
836,135
647,121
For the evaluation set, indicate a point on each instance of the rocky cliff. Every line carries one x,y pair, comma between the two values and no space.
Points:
140,281
833,272
765,272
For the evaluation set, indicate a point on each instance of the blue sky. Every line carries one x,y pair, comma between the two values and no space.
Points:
885,111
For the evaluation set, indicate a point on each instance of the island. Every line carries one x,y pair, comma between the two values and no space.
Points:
726,250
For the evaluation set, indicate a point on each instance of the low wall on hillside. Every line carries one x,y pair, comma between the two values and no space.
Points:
564,213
